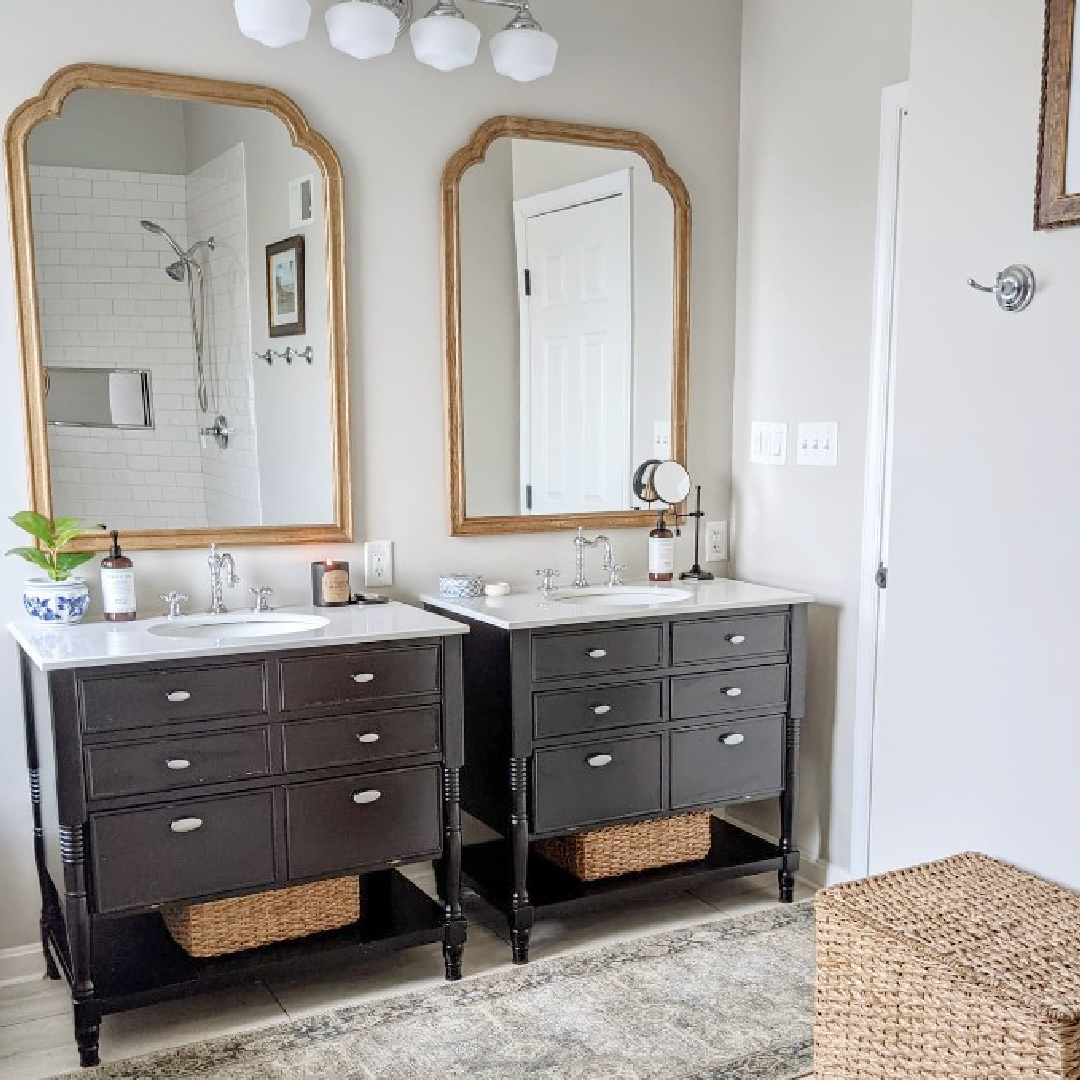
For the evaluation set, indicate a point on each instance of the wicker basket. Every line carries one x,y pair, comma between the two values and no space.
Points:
218,927
963,969
625,849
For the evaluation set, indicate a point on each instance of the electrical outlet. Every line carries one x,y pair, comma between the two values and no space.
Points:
716,541
378,563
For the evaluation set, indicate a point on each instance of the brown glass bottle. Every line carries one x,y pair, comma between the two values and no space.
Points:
661,552
117,584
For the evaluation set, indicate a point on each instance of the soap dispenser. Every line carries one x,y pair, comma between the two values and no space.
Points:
661,552
117,584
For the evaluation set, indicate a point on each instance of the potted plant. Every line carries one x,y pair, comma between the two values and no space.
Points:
58,598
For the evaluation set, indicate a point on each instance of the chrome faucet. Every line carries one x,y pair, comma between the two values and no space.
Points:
610,566
220,561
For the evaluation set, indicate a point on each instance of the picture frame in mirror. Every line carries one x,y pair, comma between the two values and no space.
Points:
285,299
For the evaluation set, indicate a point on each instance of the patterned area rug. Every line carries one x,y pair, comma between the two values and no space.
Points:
725,1000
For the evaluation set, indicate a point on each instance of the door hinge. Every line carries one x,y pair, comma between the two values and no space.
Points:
528,496
881,578
528,283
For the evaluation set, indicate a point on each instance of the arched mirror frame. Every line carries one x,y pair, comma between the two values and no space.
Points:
474,153
187,88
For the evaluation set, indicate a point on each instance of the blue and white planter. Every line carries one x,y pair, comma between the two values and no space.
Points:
58,603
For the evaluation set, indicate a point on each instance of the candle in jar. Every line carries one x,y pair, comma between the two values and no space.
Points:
330,583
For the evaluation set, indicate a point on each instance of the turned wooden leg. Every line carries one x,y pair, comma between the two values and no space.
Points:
785,874
521,910
455,927
87,1030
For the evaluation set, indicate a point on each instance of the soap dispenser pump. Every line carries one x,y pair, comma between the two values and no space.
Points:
661,551
117,584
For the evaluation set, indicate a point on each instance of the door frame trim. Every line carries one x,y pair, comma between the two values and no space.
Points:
894,104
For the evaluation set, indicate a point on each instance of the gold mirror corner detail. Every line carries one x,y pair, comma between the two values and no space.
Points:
185,89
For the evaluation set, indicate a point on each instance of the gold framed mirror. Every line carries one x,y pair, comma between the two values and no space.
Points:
566,287
143,206
1057,185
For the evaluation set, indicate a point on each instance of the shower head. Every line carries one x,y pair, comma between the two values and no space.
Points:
154,227
177,270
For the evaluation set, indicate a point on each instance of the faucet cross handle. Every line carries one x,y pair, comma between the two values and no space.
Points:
547,582
261,598
614,570
174,600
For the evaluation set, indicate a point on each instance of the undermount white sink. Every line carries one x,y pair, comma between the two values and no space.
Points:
622,596
237,625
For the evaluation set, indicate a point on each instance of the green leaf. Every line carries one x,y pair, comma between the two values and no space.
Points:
32,555
32,522
62,539
67,562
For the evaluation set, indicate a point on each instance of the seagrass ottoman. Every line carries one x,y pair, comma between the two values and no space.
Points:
963,969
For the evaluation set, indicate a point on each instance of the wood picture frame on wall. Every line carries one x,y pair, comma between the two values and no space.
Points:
286,305
1057,183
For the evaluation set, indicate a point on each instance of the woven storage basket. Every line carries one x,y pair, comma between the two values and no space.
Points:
246,922
963,969
624,849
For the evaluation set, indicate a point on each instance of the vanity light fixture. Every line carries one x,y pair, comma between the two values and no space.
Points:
442,39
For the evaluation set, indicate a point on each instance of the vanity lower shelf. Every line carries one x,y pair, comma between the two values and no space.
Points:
488,869
137,963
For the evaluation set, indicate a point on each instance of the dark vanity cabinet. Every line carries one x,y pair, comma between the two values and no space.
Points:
576,726
201,778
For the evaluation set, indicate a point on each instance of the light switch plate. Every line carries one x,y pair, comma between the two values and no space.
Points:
662,439
378,564
768,443
817,443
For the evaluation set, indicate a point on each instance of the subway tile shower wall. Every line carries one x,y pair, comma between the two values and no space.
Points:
105,301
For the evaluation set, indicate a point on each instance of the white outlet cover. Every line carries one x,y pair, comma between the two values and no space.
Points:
716,545
768,443
378,564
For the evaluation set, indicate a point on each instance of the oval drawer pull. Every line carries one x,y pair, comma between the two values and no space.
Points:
362,798
186,824
598,761
736,639
733,740
363,678
732,691
178,695
177,764
368,737
601,710
598,654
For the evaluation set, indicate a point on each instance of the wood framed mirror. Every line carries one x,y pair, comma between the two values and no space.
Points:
141,207
1057,186
566,280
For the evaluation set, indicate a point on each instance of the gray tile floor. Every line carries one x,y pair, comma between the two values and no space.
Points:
36,1038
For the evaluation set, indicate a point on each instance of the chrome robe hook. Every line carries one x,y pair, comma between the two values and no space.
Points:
1013,289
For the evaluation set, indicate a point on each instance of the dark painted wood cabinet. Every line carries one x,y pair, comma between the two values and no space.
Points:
196,779
573,727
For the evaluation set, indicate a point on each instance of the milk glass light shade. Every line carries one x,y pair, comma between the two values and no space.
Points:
524,54
361,29
273,22
444,39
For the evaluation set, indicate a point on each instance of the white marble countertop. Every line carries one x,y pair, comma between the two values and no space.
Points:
528,610
95,643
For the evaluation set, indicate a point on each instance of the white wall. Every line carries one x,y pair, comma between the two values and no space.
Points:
977,739
394,124
811,99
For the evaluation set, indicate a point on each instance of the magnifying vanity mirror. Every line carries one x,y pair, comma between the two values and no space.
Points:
566,270
167,232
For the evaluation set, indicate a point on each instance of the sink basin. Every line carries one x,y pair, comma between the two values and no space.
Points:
622,596
237,626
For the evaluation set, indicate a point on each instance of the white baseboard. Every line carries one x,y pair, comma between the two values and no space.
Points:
816,872
24,963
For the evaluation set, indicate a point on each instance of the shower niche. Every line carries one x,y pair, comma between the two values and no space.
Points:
144,205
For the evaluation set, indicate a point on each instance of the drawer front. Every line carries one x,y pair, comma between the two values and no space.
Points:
364,821
354,740
596,651
364,675
727,761
566,712
729,638
162,764
726,691
183,850
155,697
598,781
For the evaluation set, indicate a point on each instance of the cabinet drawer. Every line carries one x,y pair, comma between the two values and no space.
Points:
157,697
727,761
729,638
161,764
566,712
596,651
364,675
363,821
598,781
353,740
182,850
726,691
